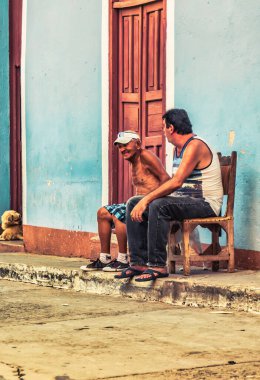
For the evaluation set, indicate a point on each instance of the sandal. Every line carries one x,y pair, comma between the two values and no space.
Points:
128,273
153,275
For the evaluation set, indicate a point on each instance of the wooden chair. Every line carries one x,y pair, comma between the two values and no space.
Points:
214,253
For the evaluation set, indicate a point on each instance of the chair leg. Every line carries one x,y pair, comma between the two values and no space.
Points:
186,250
230,243
215,247
170,247
172,267
170,261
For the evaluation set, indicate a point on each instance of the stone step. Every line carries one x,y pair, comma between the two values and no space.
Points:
237,291
11,246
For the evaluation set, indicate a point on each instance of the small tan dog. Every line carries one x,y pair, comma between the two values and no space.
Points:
11,226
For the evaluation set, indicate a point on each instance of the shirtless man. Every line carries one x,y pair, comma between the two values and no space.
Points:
148,174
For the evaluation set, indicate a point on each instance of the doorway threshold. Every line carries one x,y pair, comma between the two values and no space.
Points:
11,246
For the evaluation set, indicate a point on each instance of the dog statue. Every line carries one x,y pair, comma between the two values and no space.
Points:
11,226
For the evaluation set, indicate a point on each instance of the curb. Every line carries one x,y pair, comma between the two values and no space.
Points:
177,291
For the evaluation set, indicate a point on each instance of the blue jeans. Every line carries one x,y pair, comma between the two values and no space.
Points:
147,240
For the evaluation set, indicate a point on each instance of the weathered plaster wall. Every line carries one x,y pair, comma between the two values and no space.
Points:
4,108
217,79
63,113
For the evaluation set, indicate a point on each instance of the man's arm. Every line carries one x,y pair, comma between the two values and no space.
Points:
190,160
155,166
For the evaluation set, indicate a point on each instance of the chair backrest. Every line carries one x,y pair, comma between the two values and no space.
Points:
228,166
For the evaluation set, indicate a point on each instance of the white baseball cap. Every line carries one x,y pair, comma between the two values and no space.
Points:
126,136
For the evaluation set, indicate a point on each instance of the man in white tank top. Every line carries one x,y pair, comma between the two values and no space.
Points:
194,191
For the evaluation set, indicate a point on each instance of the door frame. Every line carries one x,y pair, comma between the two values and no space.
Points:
113,86
113,100
15,46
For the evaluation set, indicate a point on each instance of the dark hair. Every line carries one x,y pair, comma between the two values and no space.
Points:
179,119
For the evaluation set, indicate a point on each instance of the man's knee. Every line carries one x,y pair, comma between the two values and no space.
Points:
156,203
116,221
132,202
103,214
160,207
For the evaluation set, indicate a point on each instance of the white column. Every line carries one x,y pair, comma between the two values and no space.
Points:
170,29
23,119
105,100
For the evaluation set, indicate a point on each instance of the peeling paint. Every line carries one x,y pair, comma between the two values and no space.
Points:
49,182
231,138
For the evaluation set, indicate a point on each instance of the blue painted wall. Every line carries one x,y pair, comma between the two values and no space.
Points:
4,107
217,72
63,113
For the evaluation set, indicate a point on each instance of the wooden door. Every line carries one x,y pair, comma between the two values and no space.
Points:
153,78
138,89
130,63
15,33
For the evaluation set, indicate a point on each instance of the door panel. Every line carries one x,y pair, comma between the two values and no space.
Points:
152,77
129,88
141,71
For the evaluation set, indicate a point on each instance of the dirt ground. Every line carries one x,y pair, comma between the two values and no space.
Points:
51,334
224,372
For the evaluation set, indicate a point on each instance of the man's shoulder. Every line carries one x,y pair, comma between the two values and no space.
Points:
200,140
145,153
148,157
198,150
197,143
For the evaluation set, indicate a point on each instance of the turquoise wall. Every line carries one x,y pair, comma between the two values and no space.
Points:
217,79
4,108
63,113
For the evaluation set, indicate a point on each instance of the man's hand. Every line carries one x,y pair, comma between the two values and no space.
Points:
138,210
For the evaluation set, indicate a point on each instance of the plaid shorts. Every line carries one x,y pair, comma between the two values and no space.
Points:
118,210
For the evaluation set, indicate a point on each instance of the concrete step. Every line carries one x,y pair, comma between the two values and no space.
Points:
11,246
222,291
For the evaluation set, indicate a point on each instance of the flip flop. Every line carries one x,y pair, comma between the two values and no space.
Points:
154,274
128,273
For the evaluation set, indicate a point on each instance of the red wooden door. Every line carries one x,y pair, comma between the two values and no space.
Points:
130,61
140,85
153,78
15,33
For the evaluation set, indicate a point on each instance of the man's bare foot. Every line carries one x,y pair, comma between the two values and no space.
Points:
161,270
130,272
140,267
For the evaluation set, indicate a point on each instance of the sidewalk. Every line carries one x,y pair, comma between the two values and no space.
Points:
220,290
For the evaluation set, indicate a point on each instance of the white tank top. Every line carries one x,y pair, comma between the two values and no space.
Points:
203,183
